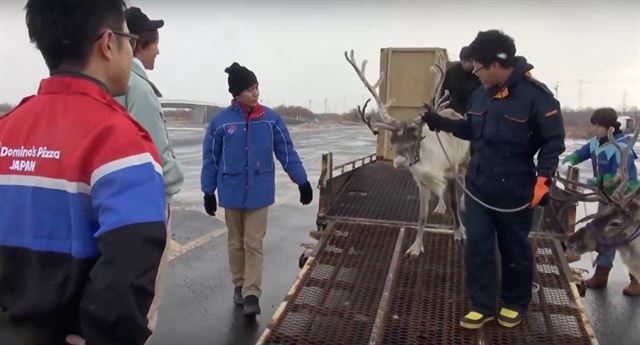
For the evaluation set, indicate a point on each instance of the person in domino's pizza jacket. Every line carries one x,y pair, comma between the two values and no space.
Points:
82,226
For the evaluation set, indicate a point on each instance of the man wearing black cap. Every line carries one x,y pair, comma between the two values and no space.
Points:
460,82
238,162
147,29
509,120
141,101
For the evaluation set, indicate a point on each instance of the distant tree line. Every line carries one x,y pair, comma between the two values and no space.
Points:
577,122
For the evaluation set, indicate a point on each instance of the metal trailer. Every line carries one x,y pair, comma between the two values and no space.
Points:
357,287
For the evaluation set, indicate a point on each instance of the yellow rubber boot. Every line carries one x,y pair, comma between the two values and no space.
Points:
509,318
474,320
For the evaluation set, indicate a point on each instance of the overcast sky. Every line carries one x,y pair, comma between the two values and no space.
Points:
295,47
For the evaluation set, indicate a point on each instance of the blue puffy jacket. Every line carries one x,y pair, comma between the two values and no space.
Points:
238,159
605,159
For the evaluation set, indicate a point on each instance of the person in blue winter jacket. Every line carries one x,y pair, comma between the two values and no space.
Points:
238,163
605,161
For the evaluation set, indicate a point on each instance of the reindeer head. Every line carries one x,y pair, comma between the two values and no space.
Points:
617,221
610,228
405,135
406,143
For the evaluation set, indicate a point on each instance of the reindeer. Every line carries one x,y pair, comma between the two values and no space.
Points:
418,149
617,222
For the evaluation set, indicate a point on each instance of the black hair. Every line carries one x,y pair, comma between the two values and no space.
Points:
65,30
147,38
605,117
493,46
464,54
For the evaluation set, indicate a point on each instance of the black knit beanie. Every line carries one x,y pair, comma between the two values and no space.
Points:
240,78
493,46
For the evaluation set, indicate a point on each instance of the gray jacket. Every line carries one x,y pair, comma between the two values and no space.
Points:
141,101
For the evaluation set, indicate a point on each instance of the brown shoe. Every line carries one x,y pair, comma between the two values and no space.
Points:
633,289
599,279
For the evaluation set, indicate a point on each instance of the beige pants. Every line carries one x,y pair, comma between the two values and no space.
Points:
152,315
246,232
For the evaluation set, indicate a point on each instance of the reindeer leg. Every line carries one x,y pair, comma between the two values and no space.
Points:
439,188
417,247
459,233
462,172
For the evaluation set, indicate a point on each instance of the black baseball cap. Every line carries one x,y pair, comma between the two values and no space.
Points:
138,22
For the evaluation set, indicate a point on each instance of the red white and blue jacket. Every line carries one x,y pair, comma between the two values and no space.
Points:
82,218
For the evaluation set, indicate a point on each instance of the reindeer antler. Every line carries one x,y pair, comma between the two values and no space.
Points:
440,99
388,122
363,116
622,176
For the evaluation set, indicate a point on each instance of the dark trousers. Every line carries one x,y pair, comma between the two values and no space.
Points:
512,231
27,333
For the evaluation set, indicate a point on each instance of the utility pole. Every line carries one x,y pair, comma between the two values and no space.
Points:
556,89
624,102
326,111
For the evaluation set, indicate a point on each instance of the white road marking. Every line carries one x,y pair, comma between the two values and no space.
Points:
176,252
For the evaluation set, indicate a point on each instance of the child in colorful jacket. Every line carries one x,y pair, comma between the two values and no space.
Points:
238,162
605,161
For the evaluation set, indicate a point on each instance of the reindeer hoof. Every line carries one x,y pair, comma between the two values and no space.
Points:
302,260
441,209
582,288
414,252
315,235
459,236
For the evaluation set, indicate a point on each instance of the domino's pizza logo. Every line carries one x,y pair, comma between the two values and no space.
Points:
232,129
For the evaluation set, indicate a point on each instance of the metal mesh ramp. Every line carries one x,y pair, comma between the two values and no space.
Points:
378,191
430,296
346,295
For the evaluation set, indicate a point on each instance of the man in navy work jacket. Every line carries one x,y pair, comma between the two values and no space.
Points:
238,162
510,119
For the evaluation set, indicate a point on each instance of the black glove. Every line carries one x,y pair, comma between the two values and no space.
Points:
431,118
210,204
306,193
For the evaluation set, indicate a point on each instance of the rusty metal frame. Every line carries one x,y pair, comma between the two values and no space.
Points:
304,272
395,284
385,300
378,325
356,163
327,174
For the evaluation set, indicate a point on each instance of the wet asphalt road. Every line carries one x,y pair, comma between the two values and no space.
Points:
197,308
